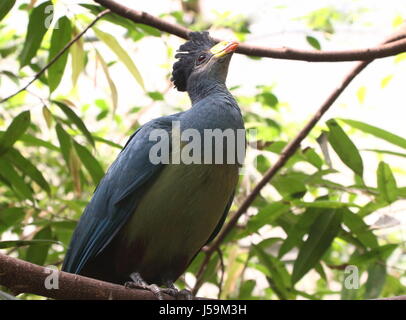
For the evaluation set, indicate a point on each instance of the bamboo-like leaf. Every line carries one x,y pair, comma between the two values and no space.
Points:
278,276
379,253
26,167
47,116
110,143
386,183
78,58
113,89
22,243
344,147
38,254
60,37
72,116
15,130
321,235
392,153
37,27
377,132
10,217
65,142
74,168
113,44
91,164
298,230
376,280
8,172
30,140
359,228
5,7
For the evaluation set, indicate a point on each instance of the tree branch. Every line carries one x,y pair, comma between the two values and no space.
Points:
384,50
23,277
54,59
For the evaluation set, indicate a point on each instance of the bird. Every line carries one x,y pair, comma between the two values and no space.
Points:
147,221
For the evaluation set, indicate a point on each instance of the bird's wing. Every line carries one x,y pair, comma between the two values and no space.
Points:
116,196
223,218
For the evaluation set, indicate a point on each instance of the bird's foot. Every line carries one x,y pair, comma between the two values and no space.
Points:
183,294
138,283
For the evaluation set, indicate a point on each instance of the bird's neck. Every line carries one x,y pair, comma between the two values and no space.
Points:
201,90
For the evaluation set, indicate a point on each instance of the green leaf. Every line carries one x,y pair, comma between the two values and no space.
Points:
313,42
22,243
18,184
72,116
30,140
91,164
266,215
324,204
246,289
60,37
10,217
78,58
110,143
149,30
379,253
386,183
359,228
156,96
313,158
262,163
47,116
385,81
113,44
26,167
376,280
377,132
361,92
289,186
344,147
65,142
298,230
113,89
74,168
321,235
387,152
15,130
37,27
278,276
5,7
268,99
38,254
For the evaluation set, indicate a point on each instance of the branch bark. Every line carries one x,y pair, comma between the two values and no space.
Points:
23,277
384,50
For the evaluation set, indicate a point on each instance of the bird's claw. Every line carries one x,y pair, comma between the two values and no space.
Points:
138,283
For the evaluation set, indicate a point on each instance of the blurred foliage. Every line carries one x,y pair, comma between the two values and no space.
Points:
54,151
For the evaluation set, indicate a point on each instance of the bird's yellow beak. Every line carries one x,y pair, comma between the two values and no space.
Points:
224,47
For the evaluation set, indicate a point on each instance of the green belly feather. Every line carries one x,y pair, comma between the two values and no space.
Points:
177,215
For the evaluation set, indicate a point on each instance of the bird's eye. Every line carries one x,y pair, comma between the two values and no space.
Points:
200,59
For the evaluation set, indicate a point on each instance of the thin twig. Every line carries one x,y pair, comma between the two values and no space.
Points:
60,53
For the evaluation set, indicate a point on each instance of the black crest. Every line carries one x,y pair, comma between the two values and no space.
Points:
187,54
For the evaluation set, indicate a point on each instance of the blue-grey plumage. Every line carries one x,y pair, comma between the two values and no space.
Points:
154,218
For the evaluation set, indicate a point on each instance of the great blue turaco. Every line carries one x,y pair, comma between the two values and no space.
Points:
147,221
